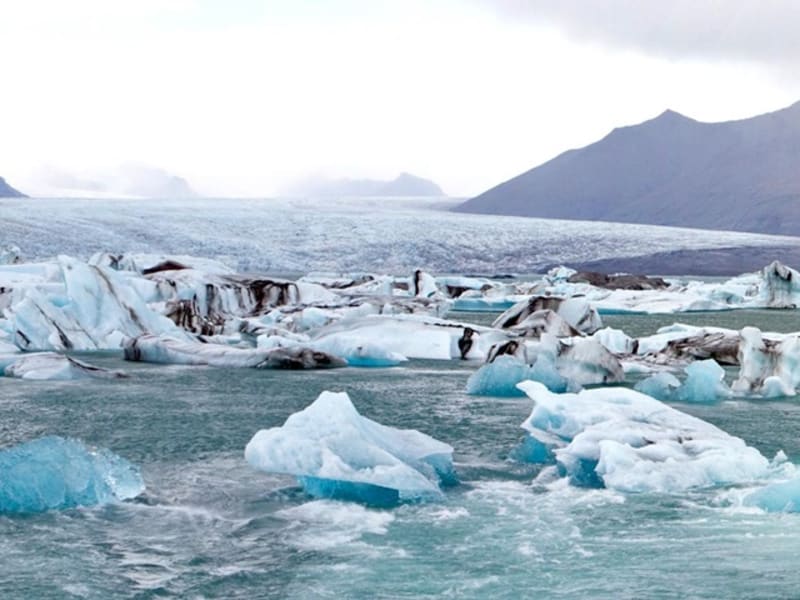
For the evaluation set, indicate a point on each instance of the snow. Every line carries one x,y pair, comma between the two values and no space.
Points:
56,473
627,441
336,453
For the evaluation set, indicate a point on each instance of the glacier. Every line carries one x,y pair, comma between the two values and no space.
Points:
392,237
56,473
336,453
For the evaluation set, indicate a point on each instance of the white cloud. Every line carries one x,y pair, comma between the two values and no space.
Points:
241,103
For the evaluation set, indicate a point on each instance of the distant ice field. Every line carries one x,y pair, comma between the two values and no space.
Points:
383,235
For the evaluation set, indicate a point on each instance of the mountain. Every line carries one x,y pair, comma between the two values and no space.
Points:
127,180
6,191
672,170
404,184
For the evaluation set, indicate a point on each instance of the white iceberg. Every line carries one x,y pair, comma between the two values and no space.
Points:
413,336
769,367
52,366
166,350
624,440
336,453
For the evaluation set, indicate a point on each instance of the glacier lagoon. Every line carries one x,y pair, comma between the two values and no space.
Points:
208,525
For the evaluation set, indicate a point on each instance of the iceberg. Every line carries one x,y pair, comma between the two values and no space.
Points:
501,376
165,350
413,336
661,386
623,440
560,364
55,473
704,384
768,367
575,311
782,496
52,366
85,308
336,453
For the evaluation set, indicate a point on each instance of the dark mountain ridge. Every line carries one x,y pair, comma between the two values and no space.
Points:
671,170
6,191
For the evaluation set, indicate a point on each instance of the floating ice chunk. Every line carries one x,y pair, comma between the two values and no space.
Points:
7,347
615,340
705,383
359,353
768,367
51,366
545,322
165,350
662,386
575,311
10,254
585,361
682,342
54,473
560,365
500,377
336,453
560,273
624,440
414,336
423,284
776,497
90,308
780,286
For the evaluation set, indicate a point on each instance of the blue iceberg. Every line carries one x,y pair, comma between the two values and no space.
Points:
54,473
336,453
704,384
501,376
776,497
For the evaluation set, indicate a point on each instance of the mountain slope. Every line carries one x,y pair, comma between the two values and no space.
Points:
672,170
404,184
6,191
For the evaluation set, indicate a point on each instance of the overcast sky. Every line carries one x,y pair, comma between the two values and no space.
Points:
243,96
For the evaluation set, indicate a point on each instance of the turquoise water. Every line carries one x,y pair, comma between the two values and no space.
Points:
209,526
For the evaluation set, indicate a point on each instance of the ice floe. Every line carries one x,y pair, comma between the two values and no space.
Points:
336,453
627,441
165,350
52,366
55,473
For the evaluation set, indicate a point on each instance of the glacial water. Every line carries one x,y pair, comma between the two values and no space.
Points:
209,526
